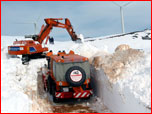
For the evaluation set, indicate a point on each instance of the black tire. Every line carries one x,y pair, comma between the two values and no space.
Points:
49,85
72,82
55,100
52,89
25,63
88,98
25,59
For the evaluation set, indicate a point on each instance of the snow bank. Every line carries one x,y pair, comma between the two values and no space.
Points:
110,44
128,91
13,97
138,74
124,78
21,103
19,85
84,49
117,100
115,64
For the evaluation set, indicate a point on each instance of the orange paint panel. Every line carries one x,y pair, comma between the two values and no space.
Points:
24,46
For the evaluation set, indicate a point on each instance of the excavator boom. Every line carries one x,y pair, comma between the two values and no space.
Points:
31,49
54,22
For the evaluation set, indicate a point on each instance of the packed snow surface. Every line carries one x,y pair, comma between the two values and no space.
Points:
19,82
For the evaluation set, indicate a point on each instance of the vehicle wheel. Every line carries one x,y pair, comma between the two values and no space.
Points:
25,59
25,63
75,76
87,98
49,85
55,100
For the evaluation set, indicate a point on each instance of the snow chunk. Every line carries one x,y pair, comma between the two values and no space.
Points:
115,64
85,49
81,37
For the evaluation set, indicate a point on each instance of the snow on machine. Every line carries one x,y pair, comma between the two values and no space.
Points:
67,76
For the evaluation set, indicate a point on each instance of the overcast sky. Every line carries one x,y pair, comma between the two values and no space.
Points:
90,18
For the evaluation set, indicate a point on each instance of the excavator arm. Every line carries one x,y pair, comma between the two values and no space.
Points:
54,22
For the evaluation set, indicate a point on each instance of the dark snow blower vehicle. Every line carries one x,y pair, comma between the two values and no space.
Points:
67,76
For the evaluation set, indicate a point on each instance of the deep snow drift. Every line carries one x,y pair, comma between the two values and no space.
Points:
127,83
19,82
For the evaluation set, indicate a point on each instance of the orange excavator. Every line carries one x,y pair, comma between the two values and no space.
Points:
33,48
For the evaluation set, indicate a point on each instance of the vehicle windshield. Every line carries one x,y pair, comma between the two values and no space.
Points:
60,69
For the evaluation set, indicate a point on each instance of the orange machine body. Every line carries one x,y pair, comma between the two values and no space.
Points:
64,58
26,47
31,47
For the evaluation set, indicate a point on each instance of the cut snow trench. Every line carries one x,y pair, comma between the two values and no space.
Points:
16,78
129,72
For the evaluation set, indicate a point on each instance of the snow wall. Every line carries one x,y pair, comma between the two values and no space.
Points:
133,73
118,101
